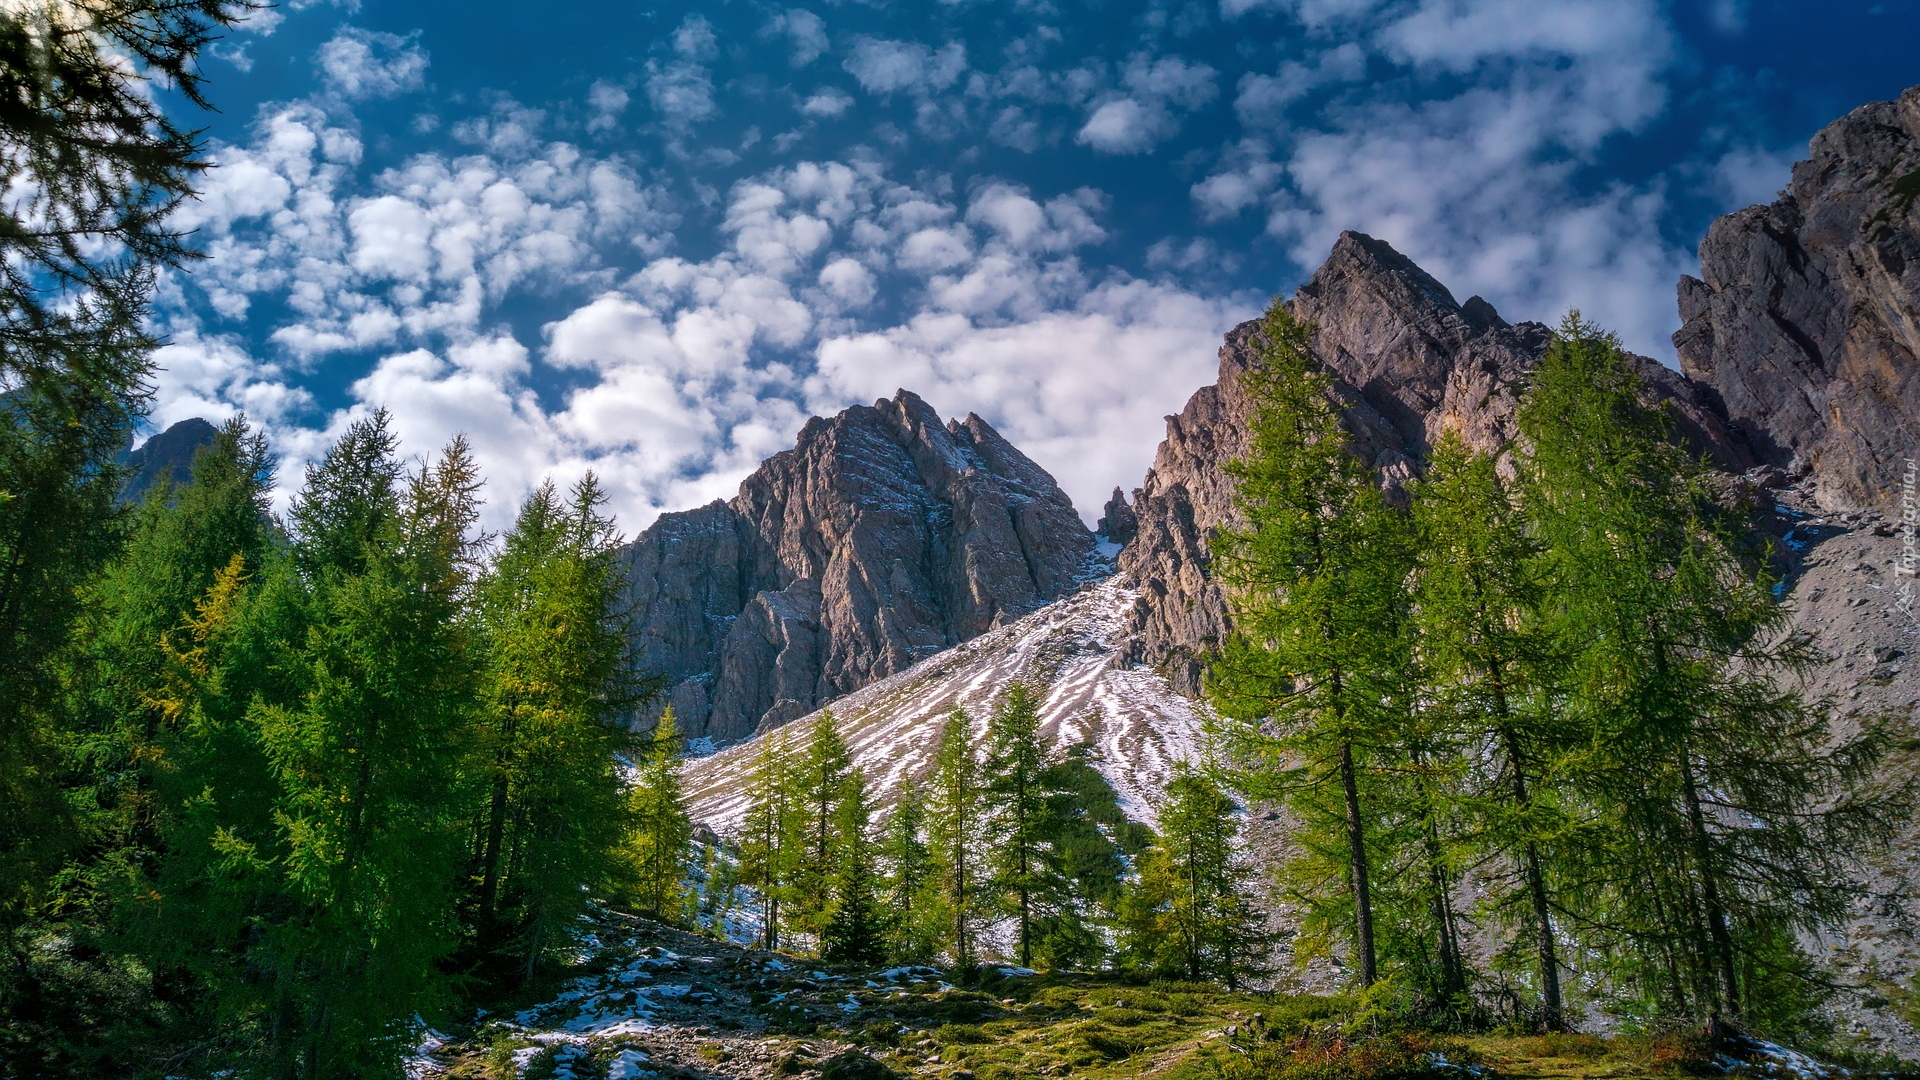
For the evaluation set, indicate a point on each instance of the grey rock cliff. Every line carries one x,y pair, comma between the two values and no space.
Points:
1805,319
1409,363
883,536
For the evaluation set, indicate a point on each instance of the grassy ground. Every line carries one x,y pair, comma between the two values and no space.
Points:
655,1002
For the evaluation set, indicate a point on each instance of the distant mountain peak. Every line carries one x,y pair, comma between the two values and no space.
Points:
886,534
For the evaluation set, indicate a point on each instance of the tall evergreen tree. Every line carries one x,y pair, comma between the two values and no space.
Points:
820,783
1190,916
955,827
855,930
770,837
662,832
1480,615
92,166
910,938
1020,861
556,686
366,748
1729,812
1314,671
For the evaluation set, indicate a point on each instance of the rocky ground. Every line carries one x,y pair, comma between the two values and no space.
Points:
651,1001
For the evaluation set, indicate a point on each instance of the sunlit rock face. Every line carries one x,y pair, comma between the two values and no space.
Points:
1805,319
884,536
1409,363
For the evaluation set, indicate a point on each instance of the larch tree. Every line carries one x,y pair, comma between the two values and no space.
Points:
956,823
1731,815
1479,606
904,855
91,166
1311,679
1019,866
556,687
855,932
662,833
1191,916
770,837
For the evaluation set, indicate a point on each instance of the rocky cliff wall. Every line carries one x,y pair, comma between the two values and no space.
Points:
1805,320
1409,363
885,535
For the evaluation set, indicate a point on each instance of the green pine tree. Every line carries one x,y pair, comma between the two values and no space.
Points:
662,832
1480,609
1730,816
820,782
770,840
903,852
555,689
956,823
1314,674
1190,916
855,933
1020,864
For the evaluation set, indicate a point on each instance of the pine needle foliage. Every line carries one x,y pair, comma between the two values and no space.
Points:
1312,679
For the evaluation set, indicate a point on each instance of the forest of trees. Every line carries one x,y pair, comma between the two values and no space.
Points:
275,785
1543,702
1008,853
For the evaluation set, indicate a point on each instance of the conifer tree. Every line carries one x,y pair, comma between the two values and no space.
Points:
367,748
92,166
1190,916
1728,813
1089,844
1020,864
855,930
955,826
820,782
770,840
555,689
910,939
1479,605
662,832
1314,672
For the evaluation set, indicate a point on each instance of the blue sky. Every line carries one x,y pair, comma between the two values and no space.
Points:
650,240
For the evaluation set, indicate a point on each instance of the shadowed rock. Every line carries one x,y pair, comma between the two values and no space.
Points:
1805,319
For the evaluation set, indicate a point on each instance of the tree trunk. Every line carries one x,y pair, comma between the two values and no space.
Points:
1555,1008
1357,856
1722,939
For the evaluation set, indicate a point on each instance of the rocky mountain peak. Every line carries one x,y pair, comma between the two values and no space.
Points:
1805,320
884,535
1409,362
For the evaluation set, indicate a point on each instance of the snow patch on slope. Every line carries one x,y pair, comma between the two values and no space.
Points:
1069,651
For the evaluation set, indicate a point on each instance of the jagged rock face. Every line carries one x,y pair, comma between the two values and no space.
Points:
882,537
1409,363
1806,317
1117,523
167,454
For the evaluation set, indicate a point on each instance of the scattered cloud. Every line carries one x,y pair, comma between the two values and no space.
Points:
804,32
884,66
360,64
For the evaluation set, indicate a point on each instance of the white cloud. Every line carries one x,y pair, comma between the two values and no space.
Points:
607,102
1159,91
883,66
358,64
1121,126
827,103
805,33
1263,99
1465,151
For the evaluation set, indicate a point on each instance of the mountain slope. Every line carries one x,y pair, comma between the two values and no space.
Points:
1069,650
